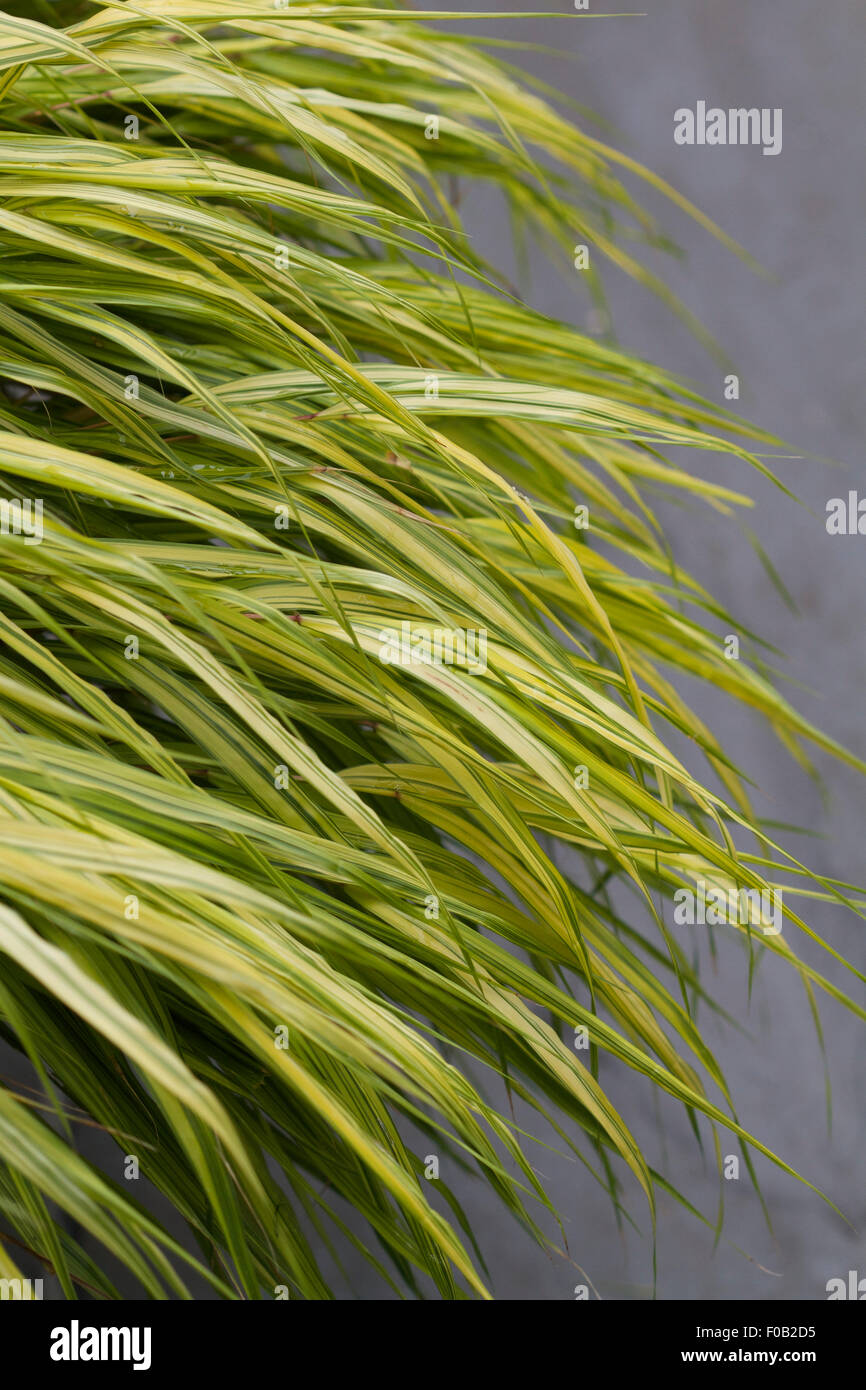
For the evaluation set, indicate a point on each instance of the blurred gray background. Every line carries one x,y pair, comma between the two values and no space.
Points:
796,339
797,342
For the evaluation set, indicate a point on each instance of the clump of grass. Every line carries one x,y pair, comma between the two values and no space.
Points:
268,893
